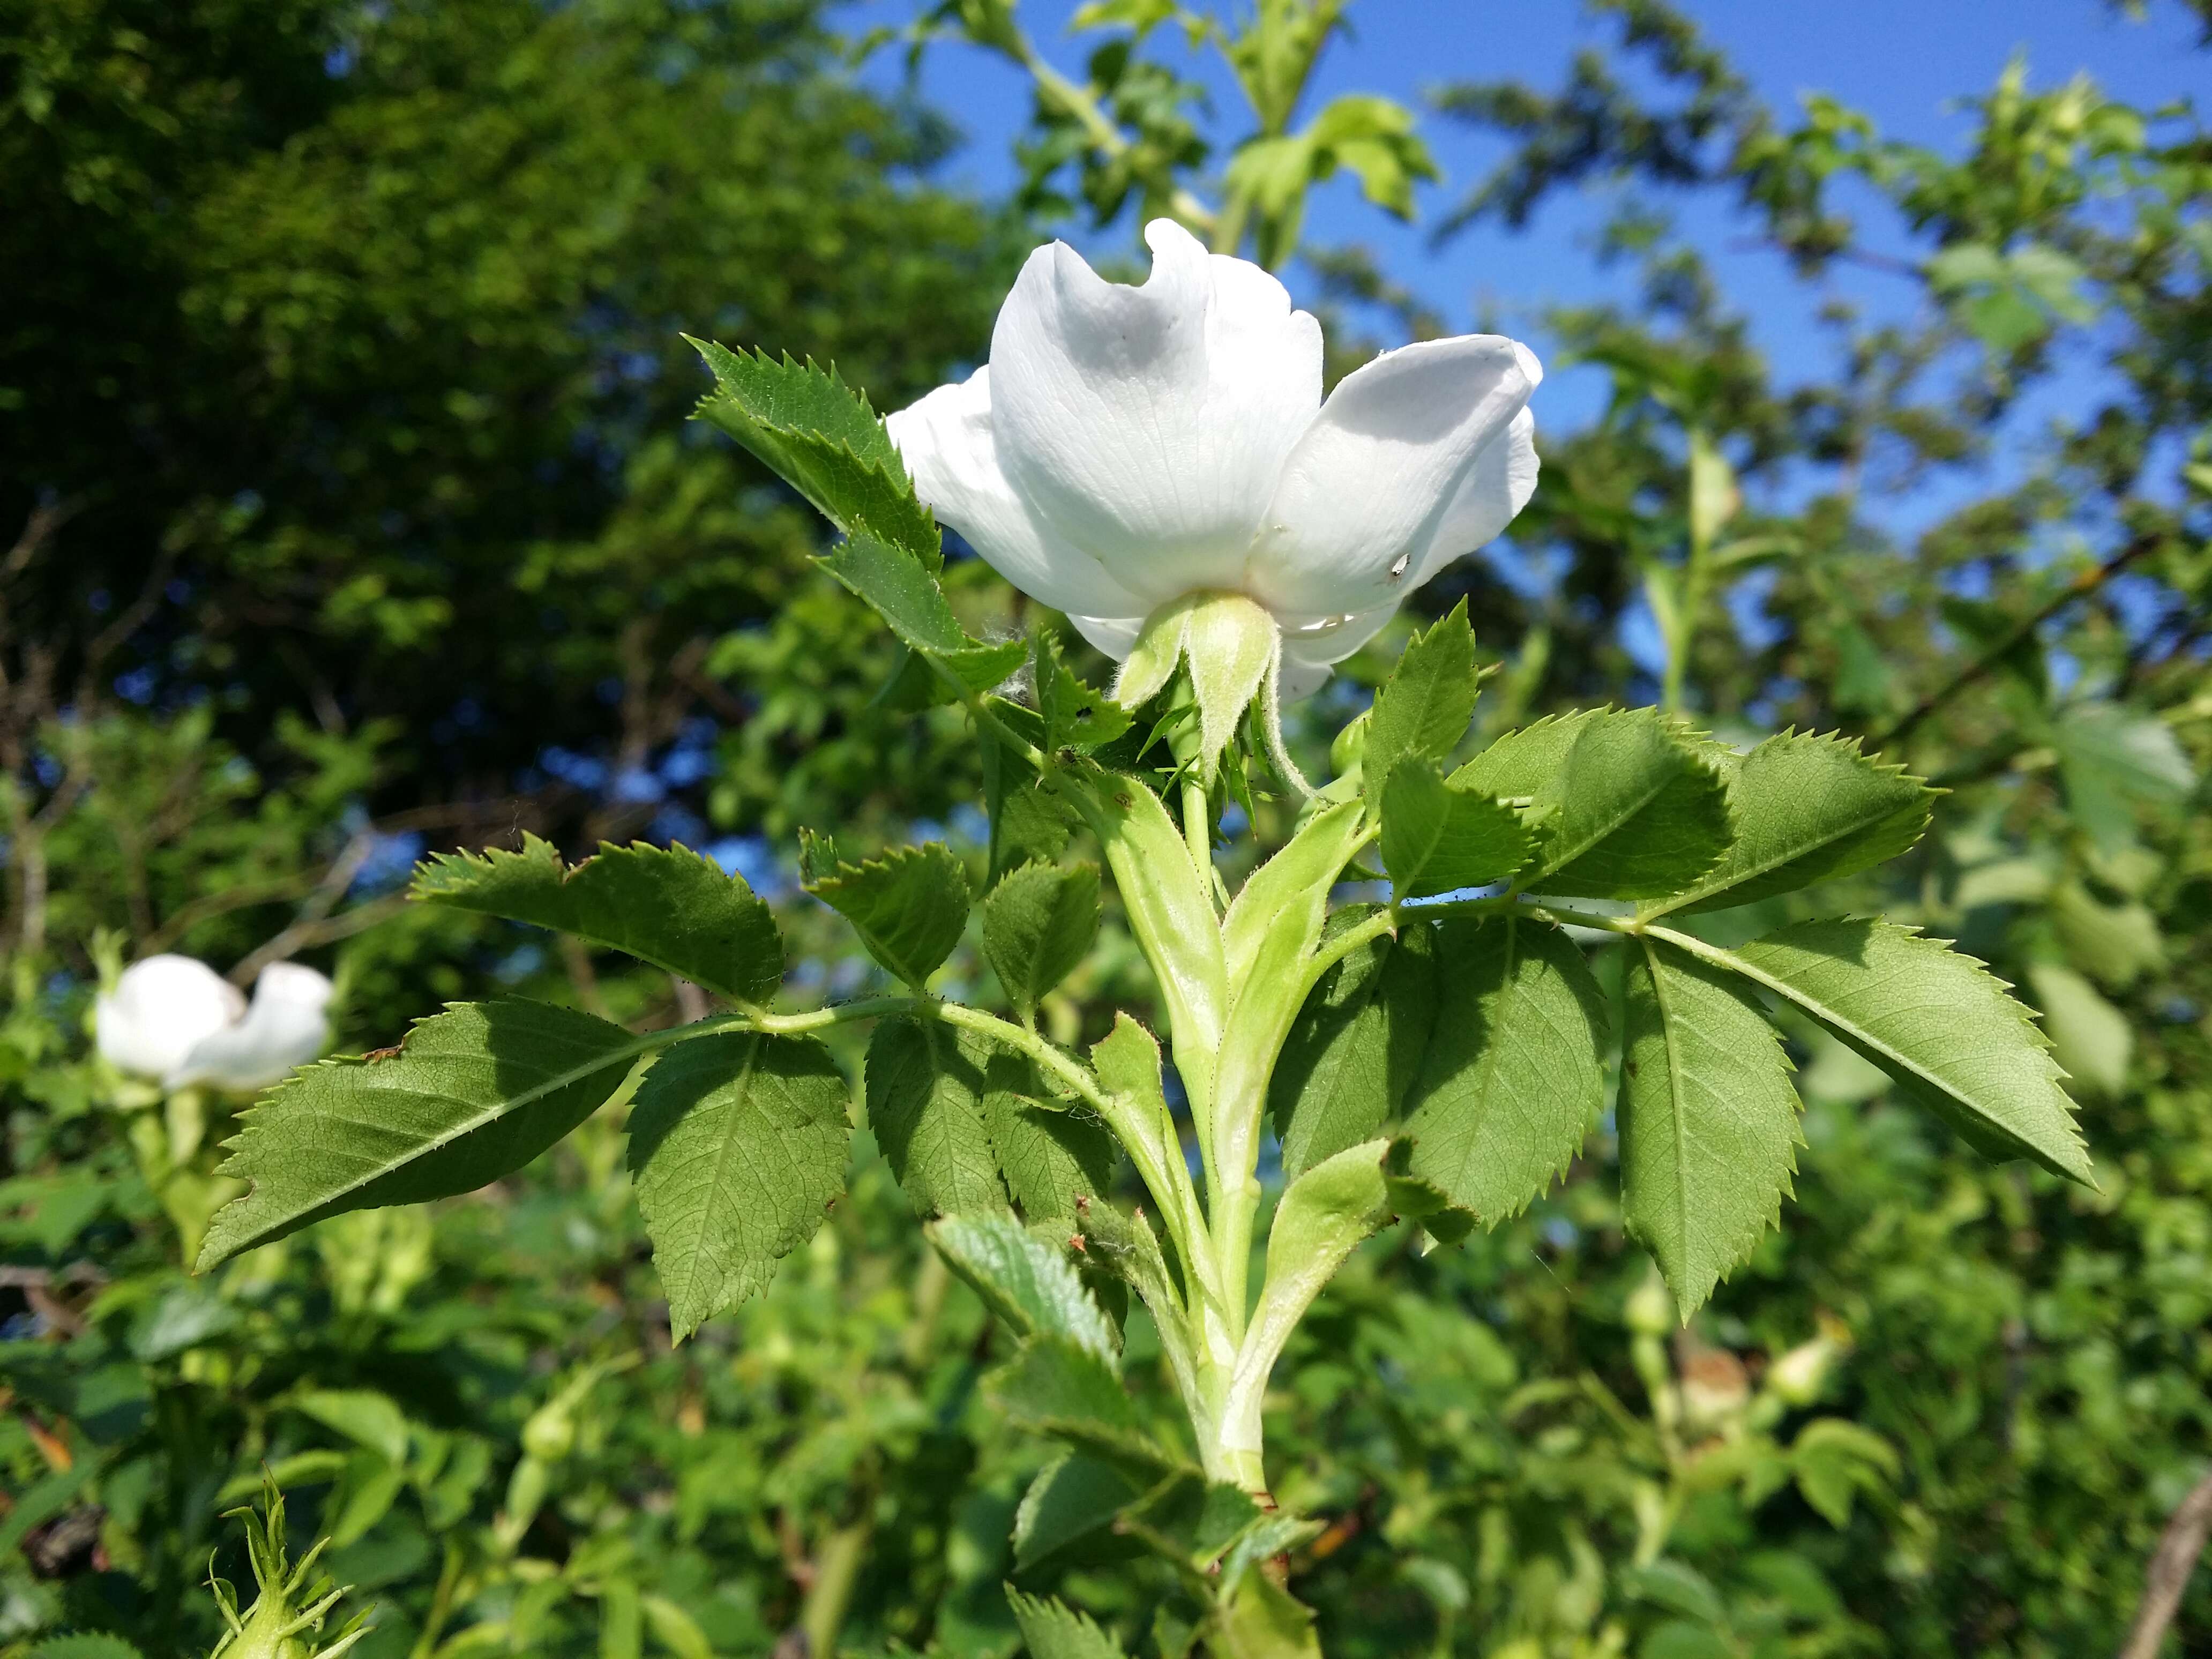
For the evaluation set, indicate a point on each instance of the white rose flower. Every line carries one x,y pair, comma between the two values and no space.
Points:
1128,447
177,1021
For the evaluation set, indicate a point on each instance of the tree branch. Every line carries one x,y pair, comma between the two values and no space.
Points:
2083,585
2167,1577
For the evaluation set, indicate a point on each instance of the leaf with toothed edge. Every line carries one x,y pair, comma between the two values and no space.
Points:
1807,809
1708,1119
908,906
925,1086
665,905
1514,1075
1936,1020
1053,1630
1027,1282
1038,925
821,438
1439,837
1424,708
1620,803
737,1143
472,1094
1051,1155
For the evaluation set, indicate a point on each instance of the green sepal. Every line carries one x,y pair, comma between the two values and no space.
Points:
908,906
665,905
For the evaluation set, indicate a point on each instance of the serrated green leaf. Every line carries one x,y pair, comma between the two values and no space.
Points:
1935,1020
822,438
1620,803
1438,837
1072,1500
1027,1282
1075,715
1053,1630
908,906
737,1143
1038,925
1424,708
1050,1156
1708,1119
903,591
1054,1385
1514,1074
925,1087
472,1094
665,905
1356,1047
2114,944
1807,808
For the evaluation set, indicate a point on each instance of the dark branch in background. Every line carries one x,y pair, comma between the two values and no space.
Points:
2171,1566
2083,585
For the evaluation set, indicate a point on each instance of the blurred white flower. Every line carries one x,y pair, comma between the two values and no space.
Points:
1126,448
177,1021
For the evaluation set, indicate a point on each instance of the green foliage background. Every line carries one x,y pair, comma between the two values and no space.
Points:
342,440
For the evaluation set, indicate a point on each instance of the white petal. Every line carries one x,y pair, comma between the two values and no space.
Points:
945,441
1366,490
1115,635
1148,425
159,1009
1497,486
285,1027
1313,646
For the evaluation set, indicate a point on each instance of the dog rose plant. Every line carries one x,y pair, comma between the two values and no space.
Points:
1396,998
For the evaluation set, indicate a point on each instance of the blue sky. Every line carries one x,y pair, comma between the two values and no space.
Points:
1905,63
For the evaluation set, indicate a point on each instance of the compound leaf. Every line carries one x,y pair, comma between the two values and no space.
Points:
1708,1119
738,1143
1056,1386
665,905
472,1094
